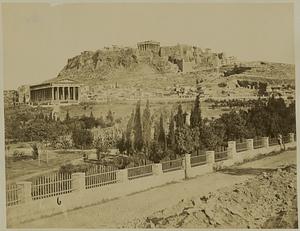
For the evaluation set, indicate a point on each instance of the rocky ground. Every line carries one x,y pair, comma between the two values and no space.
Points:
267,201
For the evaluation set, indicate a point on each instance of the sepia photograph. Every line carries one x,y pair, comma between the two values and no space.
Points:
157,115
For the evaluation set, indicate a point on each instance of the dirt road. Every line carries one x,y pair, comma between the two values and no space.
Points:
116,213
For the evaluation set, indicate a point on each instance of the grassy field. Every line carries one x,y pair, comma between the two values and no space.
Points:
25,169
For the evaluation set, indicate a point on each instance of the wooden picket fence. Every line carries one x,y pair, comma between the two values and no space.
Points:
172,165
273,141
243,146
258,143
221,153
100,179
51,185
140,171
198,160
13,194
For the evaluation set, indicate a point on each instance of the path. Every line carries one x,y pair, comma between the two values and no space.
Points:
114,213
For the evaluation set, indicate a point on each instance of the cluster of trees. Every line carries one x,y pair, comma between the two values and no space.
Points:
264,118
231,103
260,86
236,70
36,125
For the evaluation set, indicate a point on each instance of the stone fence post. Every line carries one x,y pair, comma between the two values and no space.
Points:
122,175
265,142
250,144
25,191
157,169
232,150
291,137
78,181
210,157
187,165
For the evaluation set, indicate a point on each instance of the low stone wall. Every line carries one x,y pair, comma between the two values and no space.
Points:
81,197
200,170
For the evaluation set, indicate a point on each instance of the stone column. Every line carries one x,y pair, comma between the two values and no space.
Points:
78,181
59,95
63,93
291,137
157,169
52,92
265,141
76,93
210,157
78,90
249,144
122,176
69,93
25,192
73,93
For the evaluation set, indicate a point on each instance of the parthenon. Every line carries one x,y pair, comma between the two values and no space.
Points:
148,45
59,92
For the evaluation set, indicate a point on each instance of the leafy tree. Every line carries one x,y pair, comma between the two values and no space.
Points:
235,126
122,144
35,151
209,137
262,87
82,138
110,118
156,153
91,115
101,148
183,140
100,122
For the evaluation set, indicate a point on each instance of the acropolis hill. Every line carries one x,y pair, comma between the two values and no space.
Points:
104,63
150,70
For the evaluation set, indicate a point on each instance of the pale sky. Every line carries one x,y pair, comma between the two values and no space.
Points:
39,38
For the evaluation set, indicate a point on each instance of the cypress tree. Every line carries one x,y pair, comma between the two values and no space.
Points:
179,118
129,133
67,116
138,134
196,120
161,134
171,134
147,126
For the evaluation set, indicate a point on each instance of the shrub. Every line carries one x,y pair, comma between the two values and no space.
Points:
121,162
18,155
82,138
71,168
222,84
35,151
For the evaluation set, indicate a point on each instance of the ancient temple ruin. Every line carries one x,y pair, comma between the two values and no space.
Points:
57,92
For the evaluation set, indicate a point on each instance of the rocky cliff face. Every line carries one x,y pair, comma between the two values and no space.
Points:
101,64
97,65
